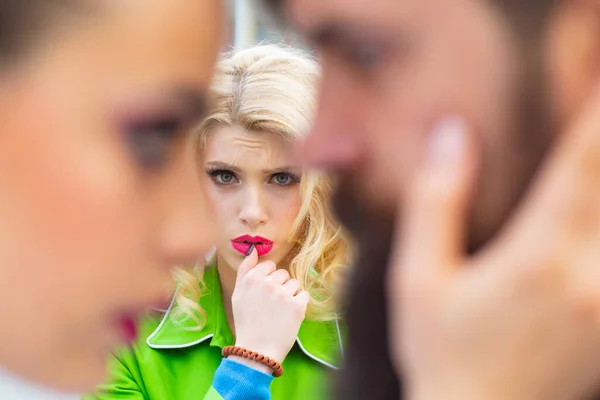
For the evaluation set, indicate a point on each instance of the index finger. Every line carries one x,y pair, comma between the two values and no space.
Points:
249,262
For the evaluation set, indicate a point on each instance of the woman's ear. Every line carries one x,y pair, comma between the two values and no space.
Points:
573,54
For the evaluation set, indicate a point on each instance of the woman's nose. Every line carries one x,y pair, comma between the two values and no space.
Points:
253,208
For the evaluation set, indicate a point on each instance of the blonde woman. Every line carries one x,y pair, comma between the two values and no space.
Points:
270,288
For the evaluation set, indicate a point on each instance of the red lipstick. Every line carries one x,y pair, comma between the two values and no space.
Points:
242,244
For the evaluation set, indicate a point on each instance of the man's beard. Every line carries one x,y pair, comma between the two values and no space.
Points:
368,372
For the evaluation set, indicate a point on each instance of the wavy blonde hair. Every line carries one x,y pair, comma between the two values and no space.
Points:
271,88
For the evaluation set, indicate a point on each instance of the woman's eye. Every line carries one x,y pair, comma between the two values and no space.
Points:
151,143
222,177
283,179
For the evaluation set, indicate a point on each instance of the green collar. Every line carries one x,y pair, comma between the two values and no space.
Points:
321,341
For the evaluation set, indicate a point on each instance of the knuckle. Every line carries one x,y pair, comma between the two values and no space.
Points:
300,308
282,296
270,285
269,266
252,278
285,273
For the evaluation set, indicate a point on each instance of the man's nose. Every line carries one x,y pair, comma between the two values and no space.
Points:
334,141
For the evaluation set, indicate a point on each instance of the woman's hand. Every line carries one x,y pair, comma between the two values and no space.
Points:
268,308
520,319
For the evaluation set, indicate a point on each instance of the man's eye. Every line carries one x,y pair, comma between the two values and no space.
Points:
152,142
365,57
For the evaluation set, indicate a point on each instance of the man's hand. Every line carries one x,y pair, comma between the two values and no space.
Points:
520,319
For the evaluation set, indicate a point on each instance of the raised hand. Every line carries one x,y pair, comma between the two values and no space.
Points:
268,309
520,319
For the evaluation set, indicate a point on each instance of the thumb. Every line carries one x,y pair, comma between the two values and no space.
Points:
249,262
435,209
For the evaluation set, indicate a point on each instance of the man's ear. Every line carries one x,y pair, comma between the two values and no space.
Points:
573,54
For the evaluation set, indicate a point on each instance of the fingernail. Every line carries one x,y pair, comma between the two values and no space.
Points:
250,250
447,141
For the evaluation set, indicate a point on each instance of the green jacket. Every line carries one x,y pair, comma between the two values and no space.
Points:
172,363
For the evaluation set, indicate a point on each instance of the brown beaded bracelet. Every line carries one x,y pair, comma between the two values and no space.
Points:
254,356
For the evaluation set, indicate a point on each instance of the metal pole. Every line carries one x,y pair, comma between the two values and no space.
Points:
244,24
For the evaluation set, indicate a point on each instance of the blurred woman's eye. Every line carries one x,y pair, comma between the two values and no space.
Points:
284,179
222,176
152,142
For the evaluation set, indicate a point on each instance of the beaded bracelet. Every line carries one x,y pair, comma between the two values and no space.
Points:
254,356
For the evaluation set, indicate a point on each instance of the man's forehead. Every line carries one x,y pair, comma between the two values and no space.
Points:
308,15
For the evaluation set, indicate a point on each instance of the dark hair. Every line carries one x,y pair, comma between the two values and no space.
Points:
24,22
368,371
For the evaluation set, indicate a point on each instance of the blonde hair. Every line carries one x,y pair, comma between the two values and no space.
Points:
271,88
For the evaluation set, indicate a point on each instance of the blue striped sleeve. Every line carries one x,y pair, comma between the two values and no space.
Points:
234,381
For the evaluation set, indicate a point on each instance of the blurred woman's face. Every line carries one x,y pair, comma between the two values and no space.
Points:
99,195
255,189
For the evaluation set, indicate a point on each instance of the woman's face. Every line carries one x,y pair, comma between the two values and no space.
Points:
99,195
255,188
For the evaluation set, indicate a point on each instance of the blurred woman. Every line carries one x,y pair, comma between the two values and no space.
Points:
279,254
98,193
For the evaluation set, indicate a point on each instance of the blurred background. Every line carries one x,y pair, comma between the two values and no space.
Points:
249,24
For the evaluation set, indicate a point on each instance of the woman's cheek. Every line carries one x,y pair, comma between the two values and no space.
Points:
285,206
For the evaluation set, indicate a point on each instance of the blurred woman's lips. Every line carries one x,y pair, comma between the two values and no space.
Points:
128,328
127,321
242,244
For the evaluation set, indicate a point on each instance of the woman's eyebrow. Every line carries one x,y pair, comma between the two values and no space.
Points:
222,165
284,168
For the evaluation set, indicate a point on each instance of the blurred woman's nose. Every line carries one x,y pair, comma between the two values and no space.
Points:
252,207
189,224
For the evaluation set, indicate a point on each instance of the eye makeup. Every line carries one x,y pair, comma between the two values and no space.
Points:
152,139
222,175
154,124
285,177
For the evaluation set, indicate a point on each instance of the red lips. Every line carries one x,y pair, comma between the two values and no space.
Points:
242,244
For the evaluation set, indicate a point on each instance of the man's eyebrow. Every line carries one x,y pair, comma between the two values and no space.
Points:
339,32
327,34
